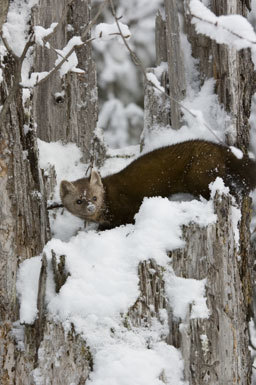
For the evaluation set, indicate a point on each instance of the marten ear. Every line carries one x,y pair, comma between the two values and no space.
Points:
66,188
95,179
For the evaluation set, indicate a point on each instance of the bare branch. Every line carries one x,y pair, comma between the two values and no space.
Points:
55,206
139,64
29,43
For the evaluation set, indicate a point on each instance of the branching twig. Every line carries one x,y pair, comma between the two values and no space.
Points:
133,55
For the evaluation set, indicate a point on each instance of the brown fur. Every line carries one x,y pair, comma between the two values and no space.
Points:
186,167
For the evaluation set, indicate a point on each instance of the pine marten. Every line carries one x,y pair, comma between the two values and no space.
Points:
186,167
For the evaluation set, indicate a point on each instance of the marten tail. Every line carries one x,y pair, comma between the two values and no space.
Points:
242,172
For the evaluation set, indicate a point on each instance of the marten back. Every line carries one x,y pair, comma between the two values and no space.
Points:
187,167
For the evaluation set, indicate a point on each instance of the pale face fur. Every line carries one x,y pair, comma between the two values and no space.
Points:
84,197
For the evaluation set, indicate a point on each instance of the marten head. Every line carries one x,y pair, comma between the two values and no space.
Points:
84,197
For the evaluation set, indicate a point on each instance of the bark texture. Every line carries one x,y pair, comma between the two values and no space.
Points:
3,11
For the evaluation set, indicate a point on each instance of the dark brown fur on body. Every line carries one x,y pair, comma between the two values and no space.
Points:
186,167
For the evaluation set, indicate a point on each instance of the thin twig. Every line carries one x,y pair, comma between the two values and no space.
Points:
139,63
55,206
136,60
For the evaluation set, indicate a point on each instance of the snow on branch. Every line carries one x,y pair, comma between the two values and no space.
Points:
41,33
232,30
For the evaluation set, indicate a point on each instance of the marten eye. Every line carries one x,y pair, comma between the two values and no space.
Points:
79,201
94,198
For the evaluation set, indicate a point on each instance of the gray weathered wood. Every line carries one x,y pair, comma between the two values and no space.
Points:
177,87
24,227
4,4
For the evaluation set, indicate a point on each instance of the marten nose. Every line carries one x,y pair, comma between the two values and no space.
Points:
91,207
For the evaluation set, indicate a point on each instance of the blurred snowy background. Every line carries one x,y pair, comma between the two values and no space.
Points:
120,82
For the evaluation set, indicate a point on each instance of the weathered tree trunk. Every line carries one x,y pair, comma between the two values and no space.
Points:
24,228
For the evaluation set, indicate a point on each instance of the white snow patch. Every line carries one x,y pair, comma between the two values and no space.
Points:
27,287
183,292
237,152
104,31
125,365
66,160
153,79
72,61
16,28
236,217
41,33
218,185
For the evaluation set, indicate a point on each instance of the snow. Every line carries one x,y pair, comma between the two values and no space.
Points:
66,160
105,31
103,284
218,186
183,292
233,30
33,78
237,152
126,365
41,33
16,28
71,62
153,79
27,286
